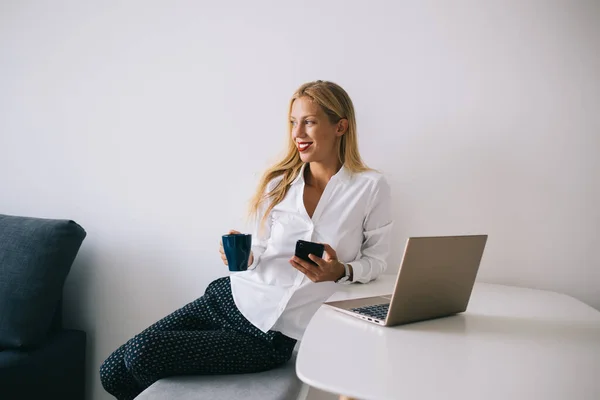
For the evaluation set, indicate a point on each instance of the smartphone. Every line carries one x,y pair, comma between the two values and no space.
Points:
304,248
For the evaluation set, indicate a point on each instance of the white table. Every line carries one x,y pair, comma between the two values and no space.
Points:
511,343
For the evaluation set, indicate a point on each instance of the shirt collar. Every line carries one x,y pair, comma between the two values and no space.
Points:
300,175
343,175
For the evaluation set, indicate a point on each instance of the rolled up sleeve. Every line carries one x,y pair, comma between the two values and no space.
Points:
377,231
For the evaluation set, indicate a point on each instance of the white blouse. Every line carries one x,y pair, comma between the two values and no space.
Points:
353,216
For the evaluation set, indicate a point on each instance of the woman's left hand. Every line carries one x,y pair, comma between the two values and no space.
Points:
328,268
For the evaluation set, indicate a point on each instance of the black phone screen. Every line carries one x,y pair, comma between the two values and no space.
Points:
304,248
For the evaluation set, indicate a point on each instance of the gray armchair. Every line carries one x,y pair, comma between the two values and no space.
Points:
38,357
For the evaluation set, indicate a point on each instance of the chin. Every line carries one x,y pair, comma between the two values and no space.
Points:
306,157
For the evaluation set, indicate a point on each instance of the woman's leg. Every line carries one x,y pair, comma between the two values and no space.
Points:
207,336
115,377
155,355
114,374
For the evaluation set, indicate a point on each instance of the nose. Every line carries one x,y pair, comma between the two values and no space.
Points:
298,131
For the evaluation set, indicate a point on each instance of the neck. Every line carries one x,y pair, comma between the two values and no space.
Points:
317,174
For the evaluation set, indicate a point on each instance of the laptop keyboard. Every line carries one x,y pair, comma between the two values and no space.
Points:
377,311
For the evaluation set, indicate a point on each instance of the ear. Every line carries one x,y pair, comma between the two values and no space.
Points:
342,127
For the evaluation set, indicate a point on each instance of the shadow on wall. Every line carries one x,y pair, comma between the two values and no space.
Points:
78,305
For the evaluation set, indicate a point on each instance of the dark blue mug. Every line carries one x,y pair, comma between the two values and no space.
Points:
237,247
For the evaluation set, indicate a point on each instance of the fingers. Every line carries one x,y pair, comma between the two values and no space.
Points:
305,264
308,271
223,256
330,251
318,260
233,232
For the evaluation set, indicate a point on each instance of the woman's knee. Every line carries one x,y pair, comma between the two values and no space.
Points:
106,371
140,353
112,368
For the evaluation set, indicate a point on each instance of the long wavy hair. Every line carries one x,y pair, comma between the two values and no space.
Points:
337,105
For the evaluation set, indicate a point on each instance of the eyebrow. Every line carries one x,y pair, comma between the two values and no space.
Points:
305,116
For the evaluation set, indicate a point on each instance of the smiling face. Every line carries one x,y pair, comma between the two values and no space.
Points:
315,136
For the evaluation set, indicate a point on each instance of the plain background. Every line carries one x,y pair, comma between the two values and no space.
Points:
149,123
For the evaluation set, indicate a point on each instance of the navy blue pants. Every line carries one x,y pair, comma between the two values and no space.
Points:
206,336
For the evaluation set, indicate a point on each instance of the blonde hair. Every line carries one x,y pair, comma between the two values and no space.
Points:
337,105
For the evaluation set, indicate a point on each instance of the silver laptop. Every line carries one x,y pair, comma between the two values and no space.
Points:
435,279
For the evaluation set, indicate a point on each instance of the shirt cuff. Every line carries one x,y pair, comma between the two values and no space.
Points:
357,271
347,282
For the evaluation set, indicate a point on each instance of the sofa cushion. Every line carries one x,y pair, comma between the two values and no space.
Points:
35,257
9,358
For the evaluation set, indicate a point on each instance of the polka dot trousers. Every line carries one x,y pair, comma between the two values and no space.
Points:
206,336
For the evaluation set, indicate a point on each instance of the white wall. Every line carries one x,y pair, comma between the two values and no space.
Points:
149,123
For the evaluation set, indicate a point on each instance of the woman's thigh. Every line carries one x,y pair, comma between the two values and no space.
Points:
157,354
200,314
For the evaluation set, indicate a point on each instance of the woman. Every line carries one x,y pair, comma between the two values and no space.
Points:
249,322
